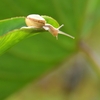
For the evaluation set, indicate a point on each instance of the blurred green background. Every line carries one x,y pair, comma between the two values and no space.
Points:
43,68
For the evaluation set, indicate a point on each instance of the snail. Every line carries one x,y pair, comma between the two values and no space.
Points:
37,21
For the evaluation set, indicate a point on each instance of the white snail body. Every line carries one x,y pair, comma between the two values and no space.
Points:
37,21
54,31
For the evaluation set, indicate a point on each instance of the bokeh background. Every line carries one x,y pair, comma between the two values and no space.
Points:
43,68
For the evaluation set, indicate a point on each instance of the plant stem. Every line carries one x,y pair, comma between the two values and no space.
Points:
92,56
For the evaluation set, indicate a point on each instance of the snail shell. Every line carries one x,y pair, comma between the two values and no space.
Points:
35,21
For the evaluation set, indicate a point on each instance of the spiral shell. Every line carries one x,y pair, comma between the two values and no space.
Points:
35,21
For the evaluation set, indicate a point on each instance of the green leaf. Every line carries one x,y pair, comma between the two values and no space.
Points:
51,21
10,24
12,34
